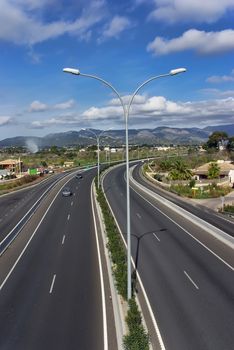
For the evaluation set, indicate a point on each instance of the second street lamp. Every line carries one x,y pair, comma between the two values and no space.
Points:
126,110
97,136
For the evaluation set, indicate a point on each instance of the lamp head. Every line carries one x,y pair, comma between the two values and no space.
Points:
71,71
177,71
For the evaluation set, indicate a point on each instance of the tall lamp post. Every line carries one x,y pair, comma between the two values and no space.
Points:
126,110
97,136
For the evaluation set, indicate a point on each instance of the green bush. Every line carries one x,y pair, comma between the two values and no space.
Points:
158,177
16,183
115,246
192,183
137,338
211,191
229,208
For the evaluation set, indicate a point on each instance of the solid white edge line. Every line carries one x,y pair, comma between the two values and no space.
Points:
162,346
191,280
43,194
196,239
105,334
151,194
209,228
52,284
27,244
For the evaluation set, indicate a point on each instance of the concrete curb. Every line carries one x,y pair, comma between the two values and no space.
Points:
214,231
119,305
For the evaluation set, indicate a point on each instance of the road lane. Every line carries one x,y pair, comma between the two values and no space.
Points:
52,299
203,212
188,317
14,206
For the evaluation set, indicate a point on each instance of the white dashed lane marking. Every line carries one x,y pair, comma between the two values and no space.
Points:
63,239
52,284
156,237
190,279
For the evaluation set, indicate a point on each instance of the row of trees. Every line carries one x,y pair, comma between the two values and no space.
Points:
178,169
220,138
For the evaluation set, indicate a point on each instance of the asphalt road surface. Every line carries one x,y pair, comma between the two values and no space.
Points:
190,288
51,298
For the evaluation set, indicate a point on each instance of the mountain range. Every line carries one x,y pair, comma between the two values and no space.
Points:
157,136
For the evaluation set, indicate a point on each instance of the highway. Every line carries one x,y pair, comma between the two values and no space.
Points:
189,286
204,213
50,291
20,204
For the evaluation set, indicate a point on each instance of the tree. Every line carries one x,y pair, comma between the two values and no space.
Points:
180,171
213,171
166,165
215,139
54,149
230,145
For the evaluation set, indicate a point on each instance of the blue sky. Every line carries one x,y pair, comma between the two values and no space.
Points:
125,43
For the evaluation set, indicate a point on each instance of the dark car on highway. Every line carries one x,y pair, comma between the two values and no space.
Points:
66,192
79,176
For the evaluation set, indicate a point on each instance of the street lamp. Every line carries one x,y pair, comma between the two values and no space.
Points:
97,136
126,110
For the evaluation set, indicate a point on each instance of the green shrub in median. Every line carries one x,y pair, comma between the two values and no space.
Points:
229,208
115,246
137,337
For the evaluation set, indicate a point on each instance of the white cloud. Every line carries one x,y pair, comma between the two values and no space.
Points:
37,125
221,79
158,109
151,111
218,93
137,99
25,27
32,4
95,113
115,27
200,41
208,11
65,105
152,106
34,57
37,106
4,120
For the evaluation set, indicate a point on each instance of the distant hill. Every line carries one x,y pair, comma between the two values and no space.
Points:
229,129
159,135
